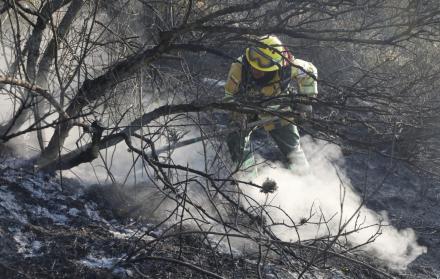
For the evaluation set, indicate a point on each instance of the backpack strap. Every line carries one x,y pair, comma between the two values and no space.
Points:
245,74
285,73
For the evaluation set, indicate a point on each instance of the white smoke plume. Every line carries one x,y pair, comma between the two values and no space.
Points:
327,195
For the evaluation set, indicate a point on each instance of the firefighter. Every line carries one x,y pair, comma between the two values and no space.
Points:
266,70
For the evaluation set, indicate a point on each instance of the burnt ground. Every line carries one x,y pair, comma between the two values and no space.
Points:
411,198
54,230
58,228
52,227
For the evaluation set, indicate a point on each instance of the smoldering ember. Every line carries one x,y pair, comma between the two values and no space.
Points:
219,139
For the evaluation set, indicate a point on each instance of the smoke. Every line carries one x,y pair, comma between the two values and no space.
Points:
126,167
5,108
6,105
324,200
24,145
328,205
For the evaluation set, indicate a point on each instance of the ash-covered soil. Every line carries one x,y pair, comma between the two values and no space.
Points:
52,227
57,228
411,199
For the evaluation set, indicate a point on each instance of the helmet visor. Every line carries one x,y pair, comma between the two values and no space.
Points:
262,59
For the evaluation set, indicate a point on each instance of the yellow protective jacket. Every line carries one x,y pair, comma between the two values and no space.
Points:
303,72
